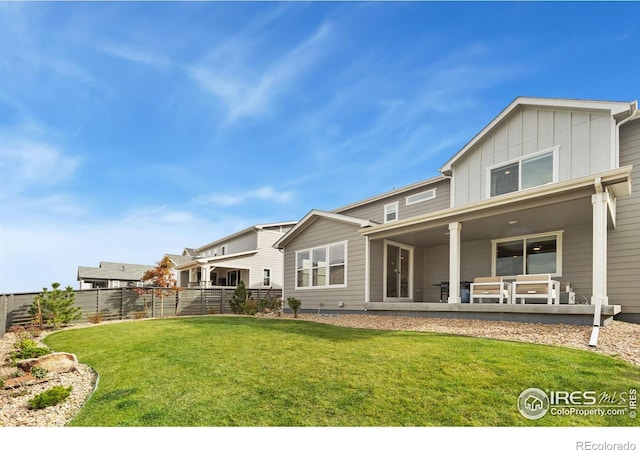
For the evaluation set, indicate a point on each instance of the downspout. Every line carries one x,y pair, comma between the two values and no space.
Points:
595,331
597,307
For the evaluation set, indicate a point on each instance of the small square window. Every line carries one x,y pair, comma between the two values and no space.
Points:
391,212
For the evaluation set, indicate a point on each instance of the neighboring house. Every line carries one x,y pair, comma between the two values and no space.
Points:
111,275
247,255
545,187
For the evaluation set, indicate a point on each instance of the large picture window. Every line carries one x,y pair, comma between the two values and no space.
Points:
322,266
523,174
533,254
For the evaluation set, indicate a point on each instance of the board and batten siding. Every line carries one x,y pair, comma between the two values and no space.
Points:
323,232
374,211
585,140
624,241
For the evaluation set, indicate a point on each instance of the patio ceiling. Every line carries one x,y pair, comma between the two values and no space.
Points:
519,222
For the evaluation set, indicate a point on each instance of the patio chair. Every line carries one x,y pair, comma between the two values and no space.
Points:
539,286
490,288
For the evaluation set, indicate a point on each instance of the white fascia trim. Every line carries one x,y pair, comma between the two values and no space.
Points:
506,199
204,261
613,108
398,191
313,215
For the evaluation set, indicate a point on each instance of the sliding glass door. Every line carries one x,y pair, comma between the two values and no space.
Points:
398,272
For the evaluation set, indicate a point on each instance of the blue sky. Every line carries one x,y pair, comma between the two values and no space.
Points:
130,130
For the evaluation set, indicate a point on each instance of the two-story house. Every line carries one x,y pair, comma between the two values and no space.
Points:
544,188
247,255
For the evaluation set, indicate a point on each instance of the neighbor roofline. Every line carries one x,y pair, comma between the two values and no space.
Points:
254,228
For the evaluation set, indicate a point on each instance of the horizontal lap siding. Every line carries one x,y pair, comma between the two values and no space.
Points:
319,233
374,211
624,240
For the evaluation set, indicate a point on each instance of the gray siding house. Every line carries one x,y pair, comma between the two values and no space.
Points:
112,275
247,255
543,189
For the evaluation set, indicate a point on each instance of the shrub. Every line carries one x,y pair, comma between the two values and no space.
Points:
95,318
26,349
50,397
250,307
54,307
294,304
240,296
39,372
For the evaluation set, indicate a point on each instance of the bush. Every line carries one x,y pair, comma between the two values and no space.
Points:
95,318
294,304
39,372
250,307
27,349
50,397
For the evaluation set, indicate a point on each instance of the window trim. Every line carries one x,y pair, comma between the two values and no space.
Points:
558,235
384,271
327,248
554,151
387,207
408,200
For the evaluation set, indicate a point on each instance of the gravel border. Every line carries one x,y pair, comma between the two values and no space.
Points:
618,339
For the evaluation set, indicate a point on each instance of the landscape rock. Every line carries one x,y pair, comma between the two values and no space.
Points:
59,362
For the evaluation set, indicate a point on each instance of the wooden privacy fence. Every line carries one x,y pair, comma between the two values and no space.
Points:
125,303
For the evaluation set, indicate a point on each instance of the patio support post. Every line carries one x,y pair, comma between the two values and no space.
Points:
204,270
454,262
599,278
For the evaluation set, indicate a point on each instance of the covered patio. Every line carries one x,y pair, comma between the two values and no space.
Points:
558,229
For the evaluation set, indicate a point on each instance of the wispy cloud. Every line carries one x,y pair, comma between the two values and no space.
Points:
247,92
267,193
136,55
26,163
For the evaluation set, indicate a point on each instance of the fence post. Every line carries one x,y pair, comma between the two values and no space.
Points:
124,292
11,307
153,304
3,315
222,291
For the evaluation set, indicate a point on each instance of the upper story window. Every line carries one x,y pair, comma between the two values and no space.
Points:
420,197
524,173
391,212
322,266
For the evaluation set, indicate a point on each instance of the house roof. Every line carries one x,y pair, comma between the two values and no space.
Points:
253,228
620,110
215,259
181,259
113,271
391,193
314,215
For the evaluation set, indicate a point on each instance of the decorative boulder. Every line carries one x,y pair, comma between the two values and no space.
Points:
54,362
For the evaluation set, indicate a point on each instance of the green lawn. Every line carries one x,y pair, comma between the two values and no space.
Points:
242,371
